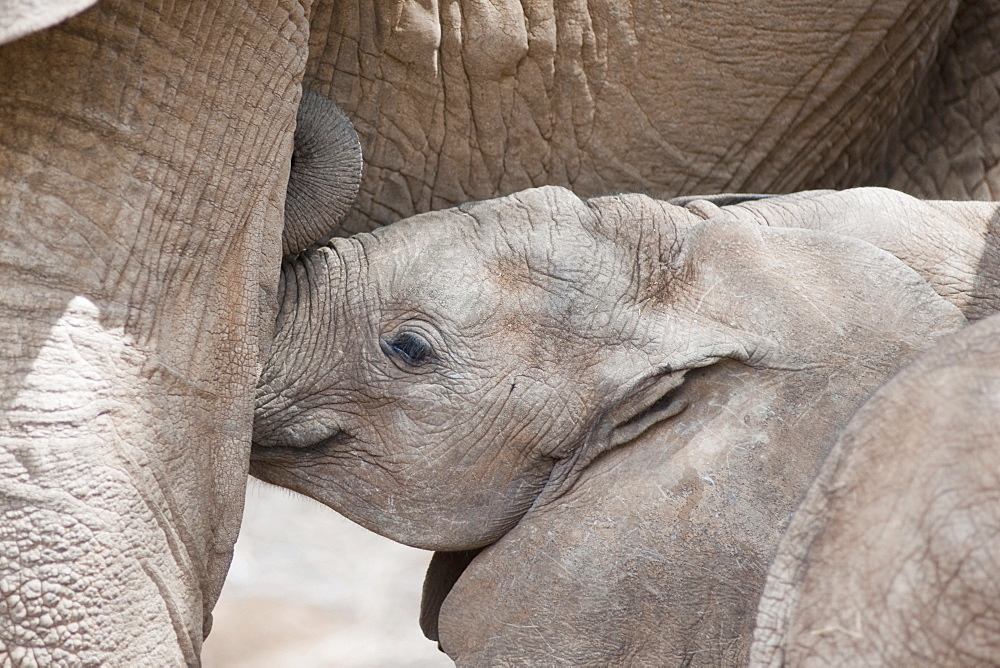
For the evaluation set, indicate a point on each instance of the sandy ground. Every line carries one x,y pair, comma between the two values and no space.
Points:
310,589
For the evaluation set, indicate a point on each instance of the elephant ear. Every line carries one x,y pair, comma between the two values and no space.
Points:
325,176
442,574
643,403
636,407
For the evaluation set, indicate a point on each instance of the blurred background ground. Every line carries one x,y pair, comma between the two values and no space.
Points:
310,589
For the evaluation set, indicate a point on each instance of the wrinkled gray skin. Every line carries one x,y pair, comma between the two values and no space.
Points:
894,556
143,161
449,377
140,222
144,158
460,101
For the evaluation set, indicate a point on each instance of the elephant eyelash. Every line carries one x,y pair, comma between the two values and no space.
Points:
410,348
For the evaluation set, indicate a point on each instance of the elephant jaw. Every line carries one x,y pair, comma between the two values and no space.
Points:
640,405
396,509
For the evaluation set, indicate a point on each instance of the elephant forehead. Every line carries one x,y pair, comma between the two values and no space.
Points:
540,249
497,259
547,229
433,269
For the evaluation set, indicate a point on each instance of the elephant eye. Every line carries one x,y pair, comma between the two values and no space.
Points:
409,347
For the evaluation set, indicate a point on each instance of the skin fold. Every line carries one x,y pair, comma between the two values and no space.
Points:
622,398
466,100
892,557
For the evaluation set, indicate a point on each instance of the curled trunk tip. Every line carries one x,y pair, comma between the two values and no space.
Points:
325,175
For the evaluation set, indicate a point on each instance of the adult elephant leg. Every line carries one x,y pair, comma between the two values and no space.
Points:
144,152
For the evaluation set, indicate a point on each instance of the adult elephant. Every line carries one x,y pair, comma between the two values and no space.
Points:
144,158
466,100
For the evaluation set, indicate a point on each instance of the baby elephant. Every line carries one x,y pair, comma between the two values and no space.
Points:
623,398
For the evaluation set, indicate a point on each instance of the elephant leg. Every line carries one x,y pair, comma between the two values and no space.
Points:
144,152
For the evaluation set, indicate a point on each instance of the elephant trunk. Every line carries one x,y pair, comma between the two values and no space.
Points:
325,175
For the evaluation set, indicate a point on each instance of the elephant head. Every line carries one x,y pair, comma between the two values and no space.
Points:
623,399
416,383
436,379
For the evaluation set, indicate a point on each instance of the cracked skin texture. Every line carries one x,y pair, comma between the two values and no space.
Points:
469,100
146,138
144,152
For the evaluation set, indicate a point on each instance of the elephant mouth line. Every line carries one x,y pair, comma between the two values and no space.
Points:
281,453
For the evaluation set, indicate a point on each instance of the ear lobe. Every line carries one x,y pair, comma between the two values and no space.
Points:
635,408
442,574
